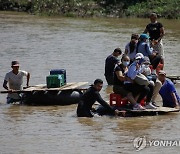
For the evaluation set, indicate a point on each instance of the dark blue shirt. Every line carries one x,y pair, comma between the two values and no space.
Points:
110,63
166,90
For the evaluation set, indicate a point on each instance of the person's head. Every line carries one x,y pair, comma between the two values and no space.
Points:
146,61
15,66
125,60
117,52
98,84
162,76
134,38
144,37
139,58
153,17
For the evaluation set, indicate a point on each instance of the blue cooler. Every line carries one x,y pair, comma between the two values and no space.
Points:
59,71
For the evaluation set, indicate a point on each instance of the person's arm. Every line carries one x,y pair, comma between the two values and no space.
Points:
121,77
149,50
172,91
162,33
126,51
28,77
133,71
104,103
5,85
175,99
146,30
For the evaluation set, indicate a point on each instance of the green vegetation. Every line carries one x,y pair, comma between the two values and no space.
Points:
95,8
165,8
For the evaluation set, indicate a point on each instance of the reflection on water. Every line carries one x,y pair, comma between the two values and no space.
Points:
80,46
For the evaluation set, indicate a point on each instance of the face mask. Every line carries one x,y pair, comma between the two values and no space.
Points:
146,65
125,63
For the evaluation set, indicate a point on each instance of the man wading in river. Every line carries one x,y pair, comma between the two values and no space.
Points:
90,97
15,80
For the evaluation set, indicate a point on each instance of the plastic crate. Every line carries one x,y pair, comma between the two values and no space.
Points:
59,71
55,81
117,100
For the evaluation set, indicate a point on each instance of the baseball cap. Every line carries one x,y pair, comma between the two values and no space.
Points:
144,36
14,63
139,56
146,60
161,72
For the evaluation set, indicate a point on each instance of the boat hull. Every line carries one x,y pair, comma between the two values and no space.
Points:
52,97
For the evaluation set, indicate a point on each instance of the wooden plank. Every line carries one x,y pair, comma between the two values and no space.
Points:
159,109
173,77
36,88
75,86
68,86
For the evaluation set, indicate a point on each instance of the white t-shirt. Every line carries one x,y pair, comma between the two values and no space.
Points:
15,82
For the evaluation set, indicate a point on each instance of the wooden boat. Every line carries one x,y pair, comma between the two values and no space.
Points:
173,78
127,112
41,95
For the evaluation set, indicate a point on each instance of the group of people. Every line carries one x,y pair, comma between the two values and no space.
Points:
131,77
135,76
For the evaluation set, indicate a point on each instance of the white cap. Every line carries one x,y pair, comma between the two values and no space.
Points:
139,56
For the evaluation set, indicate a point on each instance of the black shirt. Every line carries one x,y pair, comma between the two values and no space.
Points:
154,30
116,80
110,63
88,99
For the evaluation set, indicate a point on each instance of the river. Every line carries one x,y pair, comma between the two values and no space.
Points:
80,46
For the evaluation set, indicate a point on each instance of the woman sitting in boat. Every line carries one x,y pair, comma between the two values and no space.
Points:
119,78
168,92
144,48
140,91
130,48
90,97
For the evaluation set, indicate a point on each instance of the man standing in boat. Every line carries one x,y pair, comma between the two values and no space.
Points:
168,92
15,80
110,64
156,33
90,97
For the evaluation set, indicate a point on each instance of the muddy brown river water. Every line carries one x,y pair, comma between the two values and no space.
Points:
80,46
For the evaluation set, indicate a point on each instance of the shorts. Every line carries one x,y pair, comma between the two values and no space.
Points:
12,100
159,48
109,79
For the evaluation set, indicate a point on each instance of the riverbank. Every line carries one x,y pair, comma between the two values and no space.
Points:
95,8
